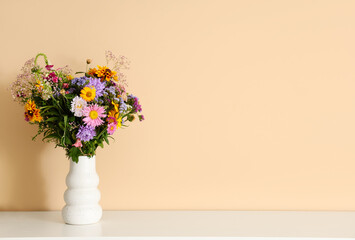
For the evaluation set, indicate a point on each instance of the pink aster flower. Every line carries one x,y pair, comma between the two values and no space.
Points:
111,128
93,115
78,143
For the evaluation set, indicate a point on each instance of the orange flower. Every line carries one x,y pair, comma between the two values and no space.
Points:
105,73
32,113
92,72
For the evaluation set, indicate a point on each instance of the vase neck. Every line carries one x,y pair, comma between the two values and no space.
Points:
85,163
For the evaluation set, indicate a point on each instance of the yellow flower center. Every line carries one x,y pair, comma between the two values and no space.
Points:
93,114
88,94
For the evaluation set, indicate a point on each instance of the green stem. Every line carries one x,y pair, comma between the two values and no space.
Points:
44,56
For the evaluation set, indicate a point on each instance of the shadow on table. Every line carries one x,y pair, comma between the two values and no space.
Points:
21,181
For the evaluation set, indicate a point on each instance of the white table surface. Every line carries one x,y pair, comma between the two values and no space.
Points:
183,225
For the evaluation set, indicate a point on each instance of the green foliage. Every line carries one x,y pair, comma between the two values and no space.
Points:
59,126
57,123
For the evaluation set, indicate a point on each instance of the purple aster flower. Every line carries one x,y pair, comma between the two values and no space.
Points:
123,106
80,81
141,117
98,85
111,90
86,133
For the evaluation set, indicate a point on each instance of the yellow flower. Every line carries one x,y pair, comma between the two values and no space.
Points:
116,106
105,73
39,86
119,122
113,114
88,94
32,113
70,77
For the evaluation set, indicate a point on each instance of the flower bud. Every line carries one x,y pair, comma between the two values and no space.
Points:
88,61
130,118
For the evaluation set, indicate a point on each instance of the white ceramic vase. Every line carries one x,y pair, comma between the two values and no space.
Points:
82,195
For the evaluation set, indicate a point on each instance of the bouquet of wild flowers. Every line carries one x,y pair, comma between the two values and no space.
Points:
78,114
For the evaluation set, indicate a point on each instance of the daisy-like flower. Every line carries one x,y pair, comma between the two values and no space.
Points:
86,133
77,106
93,115
111,128
88,94
105,73
32,113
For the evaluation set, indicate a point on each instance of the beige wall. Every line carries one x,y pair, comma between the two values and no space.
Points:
249,104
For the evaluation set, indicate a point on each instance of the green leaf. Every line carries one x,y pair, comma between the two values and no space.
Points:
52,112
106,140
102,132
52,119
74,154
65,121
53,135
68,140
61,125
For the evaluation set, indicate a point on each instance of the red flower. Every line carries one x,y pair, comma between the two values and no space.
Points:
49,67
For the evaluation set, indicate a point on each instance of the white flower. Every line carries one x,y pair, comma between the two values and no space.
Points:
77,106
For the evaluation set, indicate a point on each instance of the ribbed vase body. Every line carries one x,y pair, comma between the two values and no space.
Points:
82,195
